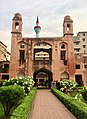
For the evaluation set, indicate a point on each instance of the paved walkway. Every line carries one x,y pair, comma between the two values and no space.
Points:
47,106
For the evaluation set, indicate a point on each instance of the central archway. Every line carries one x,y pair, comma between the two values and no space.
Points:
43,78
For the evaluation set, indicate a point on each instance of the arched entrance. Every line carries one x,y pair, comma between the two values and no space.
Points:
43,78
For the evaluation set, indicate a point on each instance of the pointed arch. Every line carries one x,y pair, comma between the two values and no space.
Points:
64,76
44,71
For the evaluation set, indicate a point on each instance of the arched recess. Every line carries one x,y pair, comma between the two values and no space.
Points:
22,52
63,52
64,76
16,25
20,74
42,53
68,27
47,76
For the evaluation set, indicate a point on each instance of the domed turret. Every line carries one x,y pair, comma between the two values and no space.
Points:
17,16
37,28
17,23
67,26
67,17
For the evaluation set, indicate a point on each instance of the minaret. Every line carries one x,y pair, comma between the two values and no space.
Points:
37,28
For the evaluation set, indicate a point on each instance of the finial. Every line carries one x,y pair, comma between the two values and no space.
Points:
37,22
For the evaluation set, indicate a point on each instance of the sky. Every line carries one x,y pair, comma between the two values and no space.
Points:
50,12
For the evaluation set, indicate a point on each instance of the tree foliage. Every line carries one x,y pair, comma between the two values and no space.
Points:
10,96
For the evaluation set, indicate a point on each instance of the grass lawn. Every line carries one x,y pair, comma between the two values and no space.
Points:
1,112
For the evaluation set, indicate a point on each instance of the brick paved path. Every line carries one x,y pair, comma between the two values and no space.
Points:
47,106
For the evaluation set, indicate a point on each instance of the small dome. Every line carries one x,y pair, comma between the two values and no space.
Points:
18,16
67,17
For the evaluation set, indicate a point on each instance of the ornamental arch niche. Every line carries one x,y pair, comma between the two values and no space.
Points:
64,76
20,74
43,78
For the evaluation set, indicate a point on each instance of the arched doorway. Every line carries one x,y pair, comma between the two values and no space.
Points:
43,78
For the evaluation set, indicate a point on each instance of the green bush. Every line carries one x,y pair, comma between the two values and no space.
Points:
1,83
23,110
26,82
78,108
9,97
84,94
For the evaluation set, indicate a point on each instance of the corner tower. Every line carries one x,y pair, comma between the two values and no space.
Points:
67,26
17,24
16,36
68,37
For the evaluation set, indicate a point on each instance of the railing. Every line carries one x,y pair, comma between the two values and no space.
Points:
42,63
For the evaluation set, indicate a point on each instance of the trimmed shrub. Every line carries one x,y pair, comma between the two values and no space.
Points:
1,83
84,94
9,97
78,108
23,110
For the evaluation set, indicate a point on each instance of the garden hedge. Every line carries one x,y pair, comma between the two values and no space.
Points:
78,108
23,110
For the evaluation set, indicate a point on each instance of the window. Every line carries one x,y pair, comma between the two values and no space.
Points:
4,77
6,66
76,50
76,43
38,44
17,25
22,45
68,27
44,44
62,46
84,46
63,55
83,34
83,39
85,66
77,66
21,57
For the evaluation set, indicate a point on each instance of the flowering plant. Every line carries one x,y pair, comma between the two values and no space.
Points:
68,84
26,82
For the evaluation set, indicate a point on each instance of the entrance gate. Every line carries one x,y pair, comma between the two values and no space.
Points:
43,78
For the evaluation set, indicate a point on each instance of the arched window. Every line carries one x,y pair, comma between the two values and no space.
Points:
62,46
17,25
68,27
21,57
22,45
63,55
63,51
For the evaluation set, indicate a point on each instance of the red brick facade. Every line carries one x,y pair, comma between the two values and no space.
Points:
61,62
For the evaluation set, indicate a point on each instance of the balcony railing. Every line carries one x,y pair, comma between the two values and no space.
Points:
42,62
